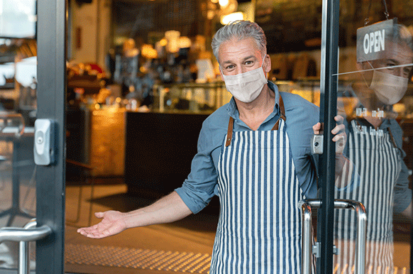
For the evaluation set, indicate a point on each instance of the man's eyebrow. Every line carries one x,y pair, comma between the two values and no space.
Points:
392,60
246,58
251,56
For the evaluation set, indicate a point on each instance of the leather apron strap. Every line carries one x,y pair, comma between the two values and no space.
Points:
282,115
275,127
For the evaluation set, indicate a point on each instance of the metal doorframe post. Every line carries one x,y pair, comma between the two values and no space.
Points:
328,110
51,97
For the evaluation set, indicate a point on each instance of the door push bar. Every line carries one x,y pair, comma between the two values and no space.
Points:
24,235
307,248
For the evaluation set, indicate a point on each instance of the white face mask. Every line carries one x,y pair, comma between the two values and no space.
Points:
246,86
389,88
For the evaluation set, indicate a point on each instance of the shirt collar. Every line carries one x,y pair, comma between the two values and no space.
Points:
232,108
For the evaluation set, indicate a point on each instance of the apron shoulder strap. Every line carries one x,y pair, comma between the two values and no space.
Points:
230,130
392,138
282,113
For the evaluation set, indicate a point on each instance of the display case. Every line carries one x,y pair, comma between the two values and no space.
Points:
190,97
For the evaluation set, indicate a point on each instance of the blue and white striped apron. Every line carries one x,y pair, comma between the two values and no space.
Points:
259,229
377,160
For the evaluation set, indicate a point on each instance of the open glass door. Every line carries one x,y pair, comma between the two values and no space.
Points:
368,81
32,33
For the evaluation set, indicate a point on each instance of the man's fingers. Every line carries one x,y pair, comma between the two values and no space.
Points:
98,234
99,214
338,129
316,128
93,235
339,118
337,138
86,229
90,232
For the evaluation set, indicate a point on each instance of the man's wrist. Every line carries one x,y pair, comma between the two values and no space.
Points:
127,219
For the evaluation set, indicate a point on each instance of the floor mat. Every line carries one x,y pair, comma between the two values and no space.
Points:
137,258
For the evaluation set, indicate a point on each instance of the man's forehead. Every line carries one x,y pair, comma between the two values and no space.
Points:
238,48
400,52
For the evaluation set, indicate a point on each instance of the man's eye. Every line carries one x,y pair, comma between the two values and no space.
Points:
229,67
249,62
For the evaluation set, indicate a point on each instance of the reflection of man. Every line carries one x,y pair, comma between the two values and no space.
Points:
254,153
375,148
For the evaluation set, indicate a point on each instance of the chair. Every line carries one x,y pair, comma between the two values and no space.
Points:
87,168
10,132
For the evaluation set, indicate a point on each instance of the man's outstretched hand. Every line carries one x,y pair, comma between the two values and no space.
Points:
166,210
113,222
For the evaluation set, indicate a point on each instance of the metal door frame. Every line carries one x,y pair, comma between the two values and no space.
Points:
328,110
51,95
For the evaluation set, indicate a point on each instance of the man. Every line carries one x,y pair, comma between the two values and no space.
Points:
375,149
254,153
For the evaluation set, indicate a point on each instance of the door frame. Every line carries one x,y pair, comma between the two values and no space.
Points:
51,95
328,110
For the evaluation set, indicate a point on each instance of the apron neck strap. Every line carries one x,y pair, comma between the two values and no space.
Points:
275,127
392,138
230,130
282,113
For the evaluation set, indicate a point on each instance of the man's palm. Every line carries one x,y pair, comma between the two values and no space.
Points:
112,223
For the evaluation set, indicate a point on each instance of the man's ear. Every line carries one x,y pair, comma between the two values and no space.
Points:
267,63
220,73
364,68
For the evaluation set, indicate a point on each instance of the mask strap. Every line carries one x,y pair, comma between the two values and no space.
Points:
265,55
370,65
362,74
220,72
262,65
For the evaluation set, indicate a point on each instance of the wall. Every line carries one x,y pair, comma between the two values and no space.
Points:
90,31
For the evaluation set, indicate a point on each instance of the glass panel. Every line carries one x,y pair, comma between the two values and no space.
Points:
17,114
375,96
18,18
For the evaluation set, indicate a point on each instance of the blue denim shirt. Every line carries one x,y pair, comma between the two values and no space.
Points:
201,184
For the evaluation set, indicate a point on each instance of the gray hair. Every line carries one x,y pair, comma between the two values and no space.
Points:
403,35
240,29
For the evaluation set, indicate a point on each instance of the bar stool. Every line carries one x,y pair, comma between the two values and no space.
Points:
13,133
3,159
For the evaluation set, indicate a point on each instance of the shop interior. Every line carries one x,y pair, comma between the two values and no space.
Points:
141,78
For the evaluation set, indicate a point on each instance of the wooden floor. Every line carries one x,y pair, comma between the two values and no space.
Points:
193,235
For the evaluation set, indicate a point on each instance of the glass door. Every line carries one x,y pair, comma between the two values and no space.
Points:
32,87
368,59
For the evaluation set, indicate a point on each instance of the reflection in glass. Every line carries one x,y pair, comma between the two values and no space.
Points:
18,105
375,148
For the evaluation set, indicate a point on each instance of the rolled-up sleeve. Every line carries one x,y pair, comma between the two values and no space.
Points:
198,189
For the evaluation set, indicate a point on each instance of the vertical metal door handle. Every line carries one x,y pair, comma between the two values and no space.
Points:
306,239
306,254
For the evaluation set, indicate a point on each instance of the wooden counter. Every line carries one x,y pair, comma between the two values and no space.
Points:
97,138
